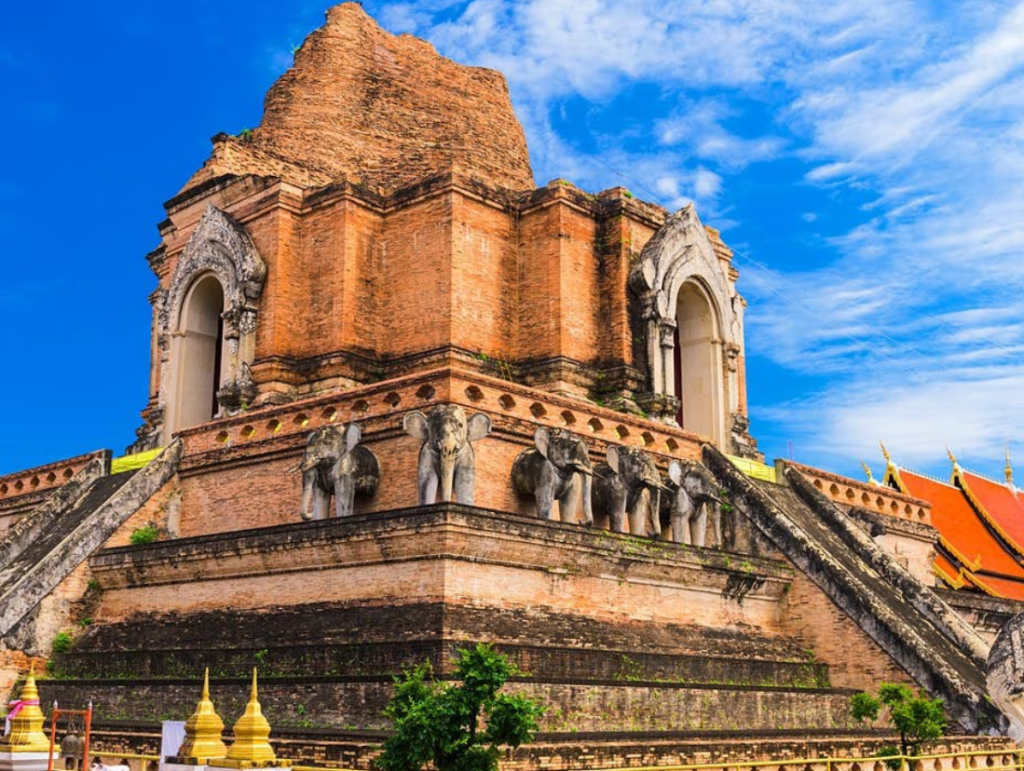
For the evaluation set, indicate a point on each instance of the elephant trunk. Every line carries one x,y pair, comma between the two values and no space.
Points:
309,484
449,455
655,513
587,485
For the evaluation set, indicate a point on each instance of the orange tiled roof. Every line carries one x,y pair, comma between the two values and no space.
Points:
972,552
997,586
999,503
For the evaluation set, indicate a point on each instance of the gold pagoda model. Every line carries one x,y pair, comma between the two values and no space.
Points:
26,747
203,732
251,748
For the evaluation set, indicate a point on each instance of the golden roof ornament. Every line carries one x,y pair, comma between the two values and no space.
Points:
952,457
252,731
203,729
26,721
867,470
1008,469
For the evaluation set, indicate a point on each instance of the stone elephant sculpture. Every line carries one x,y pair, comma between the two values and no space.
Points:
336,464
692,503
619,488
558,468
447,460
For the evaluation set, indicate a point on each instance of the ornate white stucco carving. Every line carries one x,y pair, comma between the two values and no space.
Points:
220,246
681,253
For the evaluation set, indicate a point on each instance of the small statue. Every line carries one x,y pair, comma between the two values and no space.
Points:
335,463
556,468
620,487
446,455
694,496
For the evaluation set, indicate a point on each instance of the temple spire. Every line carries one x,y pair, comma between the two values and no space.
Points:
1008,469
867,470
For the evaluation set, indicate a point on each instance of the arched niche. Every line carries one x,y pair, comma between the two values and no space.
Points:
697,362
219,264
691,321
200,356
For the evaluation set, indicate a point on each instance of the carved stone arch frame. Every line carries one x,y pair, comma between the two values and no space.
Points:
220,247
681,253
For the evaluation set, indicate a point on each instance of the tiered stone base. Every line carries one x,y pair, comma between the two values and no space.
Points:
617,636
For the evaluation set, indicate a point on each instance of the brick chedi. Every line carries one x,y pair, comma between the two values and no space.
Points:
520,401
363,105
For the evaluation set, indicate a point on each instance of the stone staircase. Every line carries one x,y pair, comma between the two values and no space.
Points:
59,535
903,616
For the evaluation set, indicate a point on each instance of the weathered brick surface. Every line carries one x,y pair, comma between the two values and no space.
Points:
361,287
364,104
358,703
830,635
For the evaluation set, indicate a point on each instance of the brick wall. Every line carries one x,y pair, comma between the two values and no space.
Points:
854,660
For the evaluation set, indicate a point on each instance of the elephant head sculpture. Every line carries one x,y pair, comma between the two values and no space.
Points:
336,464
694,496
619,489
558,468
447,460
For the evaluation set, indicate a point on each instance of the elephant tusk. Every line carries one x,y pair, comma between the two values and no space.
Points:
583,470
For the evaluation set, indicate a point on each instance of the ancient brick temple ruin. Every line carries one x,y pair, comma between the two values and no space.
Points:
402,400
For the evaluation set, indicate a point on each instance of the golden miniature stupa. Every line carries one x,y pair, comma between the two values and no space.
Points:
26,721
203,731
252,731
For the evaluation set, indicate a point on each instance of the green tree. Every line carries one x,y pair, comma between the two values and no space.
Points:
457,727
917,718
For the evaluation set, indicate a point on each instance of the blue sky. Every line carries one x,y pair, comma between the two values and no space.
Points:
863,159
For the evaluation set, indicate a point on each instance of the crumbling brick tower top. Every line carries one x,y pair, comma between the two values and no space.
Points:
382,221
363,105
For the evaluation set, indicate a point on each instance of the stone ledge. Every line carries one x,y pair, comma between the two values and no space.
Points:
440,531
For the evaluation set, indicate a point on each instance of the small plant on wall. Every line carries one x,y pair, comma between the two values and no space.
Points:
62,642
457,727
144,535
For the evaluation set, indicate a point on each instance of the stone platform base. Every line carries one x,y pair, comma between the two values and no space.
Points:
26,761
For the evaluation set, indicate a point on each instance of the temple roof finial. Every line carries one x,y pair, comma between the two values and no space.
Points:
952,457
1008,469
867,470
885,452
